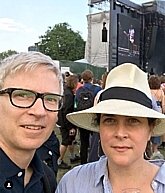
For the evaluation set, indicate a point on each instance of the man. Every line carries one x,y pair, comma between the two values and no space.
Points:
85,93
67,129
30,94
131,38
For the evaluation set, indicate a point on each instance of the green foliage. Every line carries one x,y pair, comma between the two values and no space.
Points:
7,53
62,43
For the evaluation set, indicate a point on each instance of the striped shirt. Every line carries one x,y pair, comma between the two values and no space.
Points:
93,178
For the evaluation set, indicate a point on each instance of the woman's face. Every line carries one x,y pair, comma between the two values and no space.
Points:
124,138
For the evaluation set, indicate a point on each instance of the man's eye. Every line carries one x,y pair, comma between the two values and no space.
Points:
51,99
23,95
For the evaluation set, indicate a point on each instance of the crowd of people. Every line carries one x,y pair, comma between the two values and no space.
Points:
115,121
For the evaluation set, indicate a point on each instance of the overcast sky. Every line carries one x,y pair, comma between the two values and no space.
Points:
23,21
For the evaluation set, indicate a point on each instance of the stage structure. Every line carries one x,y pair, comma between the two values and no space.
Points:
96,50
135,34
154,28
110,53
125,33
96,1
140,34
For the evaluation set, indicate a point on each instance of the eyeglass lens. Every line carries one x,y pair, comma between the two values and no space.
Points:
26,98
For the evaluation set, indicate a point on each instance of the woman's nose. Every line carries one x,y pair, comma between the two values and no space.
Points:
121,131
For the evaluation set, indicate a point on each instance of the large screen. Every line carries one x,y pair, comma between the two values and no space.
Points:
128,39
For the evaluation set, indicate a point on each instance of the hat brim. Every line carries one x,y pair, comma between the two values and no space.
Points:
85,119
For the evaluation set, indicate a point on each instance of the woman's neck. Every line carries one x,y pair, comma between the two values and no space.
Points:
137,175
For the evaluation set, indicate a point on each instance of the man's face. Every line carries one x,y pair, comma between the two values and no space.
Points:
27,128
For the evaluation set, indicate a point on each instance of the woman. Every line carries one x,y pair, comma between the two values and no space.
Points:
156,91
158,94
68,130
125,119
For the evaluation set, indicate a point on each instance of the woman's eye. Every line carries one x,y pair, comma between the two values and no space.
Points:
108,120
133,121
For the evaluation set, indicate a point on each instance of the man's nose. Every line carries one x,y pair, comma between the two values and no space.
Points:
38,107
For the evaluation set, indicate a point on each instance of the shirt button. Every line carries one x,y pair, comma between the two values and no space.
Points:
19,174
154,185
50,153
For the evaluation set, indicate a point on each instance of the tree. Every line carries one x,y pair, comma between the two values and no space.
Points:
7,53
62,43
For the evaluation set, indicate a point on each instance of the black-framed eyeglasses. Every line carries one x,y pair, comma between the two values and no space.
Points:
24,98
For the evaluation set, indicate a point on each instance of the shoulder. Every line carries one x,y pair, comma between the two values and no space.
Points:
87,178
78,172
49,177
158,162
48,171
76,180
97,88
67,91
80,89
160,176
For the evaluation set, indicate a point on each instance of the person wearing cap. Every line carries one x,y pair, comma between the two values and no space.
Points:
126,121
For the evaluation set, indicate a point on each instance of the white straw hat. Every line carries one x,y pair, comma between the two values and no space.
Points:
126,93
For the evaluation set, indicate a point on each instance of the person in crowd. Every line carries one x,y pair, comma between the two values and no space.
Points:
162,78
79,84
97,82
95,150
87,77
126,121
148,154
68,130
156,91
131,38
67,74
30,93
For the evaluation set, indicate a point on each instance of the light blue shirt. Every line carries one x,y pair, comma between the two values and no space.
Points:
93,178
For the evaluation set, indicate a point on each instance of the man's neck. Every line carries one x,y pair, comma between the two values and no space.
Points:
20,157
28,175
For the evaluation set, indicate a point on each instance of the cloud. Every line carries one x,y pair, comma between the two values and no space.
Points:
8,24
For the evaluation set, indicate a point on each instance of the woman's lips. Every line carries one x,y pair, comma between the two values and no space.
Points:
121,148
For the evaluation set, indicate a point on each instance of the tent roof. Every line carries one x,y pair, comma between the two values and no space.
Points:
82,61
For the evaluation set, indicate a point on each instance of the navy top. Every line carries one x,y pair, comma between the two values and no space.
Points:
12,177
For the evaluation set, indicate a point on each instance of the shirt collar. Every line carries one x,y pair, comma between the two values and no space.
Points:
8,168
101,169
160,176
